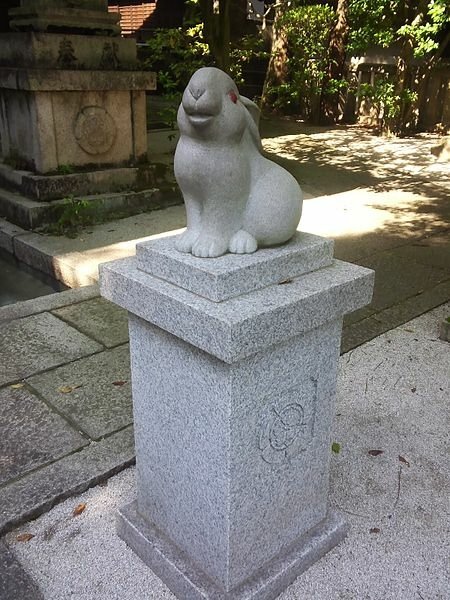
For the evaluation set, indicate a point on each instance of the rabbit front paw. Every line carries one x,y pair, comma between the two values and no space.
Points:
242,242
208,246
186,240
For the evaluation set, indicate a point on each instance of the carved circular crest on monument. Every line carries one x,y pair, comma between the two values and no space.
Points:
282,433
95,130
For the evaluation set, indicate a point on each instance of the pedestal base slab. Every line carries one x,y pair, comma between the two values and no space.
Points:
186,580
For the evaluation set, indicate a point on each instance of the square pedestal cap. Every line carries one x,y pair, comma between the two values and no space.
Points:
243,324
232,275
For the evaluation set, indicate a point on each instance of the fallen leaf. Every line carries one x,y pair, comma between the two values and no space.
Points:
79,509
120,382
24,537
66,389
403,460
413,389
16,386
335,447
374,530
375,452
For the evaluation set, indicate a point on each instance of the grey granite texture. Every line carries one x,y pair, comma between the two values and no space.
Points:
188,581
8,231
241,326
232,275
100,401
222,449
99,319
30,496
233,406
15,583
39,342
31,435
236,199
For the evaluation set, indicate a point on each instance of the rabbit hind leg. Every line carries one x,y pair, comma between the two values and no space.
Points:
242,242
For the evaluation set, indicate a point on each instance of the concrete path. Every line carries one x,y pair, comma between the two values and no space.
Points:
391,479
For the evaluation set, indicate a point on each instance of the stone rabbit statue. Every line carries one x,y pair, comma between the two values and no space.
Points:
236,199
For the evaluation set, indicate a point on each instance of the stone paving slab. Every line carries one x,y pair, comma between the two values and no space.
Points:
31,435
400,277
37,343
356,333
8,231
432,251
47,303
30,496
100,402
99,319
15,583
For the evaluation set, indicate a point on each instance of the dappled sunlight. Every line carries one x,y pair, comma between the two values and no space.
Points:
360,152
364,211
81,268
367,192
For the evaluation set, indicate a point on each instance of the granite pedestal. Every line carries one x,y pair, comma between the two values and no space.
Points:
234,364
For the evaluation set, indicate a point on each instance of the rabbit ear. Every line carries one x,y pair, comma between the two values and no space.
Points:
252,108
253,113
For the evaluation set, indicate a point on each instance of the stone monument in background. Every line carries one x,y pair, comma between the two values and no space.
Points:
72,98
234,355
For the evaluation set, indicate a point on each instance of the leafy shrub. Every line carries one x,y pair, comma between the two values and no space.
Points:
306,29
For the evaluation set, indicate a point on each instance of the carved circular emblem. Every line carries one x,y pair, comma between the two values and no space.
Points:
95,130
282,433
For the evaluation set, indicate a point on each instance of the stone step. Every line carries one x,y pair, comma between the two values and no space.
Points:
61,185
31,214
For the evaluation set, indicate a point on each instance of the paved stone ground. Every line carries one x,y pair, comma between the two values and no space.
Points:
391,481
64,376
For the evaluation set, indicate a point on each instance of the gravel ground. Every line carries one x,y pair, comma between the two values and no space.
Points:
393,395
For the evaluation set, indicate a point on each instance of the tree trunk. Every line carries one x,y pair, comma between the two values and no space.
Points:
217,31
403,122
277,69
425,72
239,24
329,99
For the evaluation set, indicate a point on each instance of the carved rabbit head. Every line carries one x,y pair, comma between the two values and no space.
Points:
212,109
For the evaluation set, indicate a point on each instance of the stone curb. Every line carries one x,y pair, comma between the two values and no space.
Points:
14,580
41,304
37,492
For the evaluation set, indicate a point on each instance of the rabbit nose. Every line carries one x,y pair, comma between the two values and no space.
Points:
196,92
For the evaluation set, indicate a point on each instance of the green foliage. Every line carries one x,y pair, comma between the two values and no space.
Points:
383,22
424,29
65,170
306,30
175,54
371,23
388,101
335,447
249,47
71,217
418,30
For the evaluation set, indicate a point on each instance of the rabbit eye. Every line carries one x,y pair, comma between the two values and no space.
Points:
233,96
